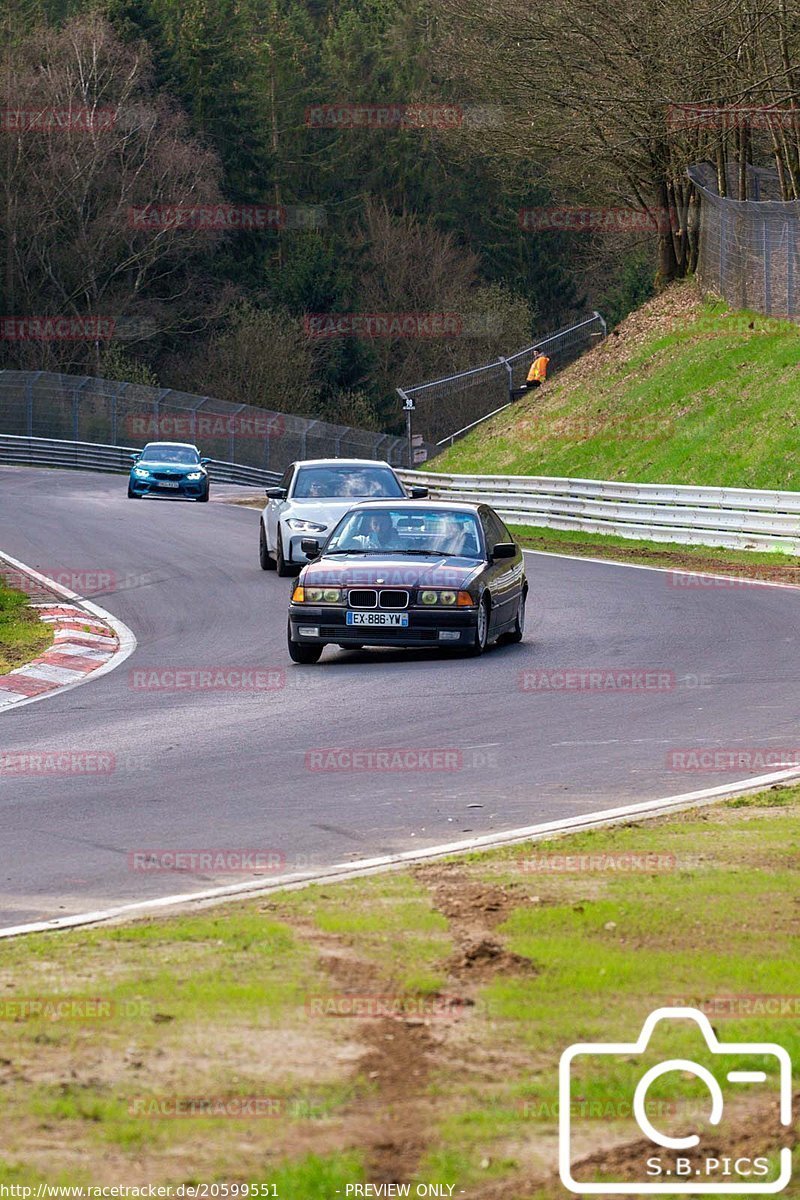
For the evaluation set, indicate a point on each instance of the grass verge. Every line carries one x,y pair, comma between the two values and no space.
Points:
406,1027
22,635
685,391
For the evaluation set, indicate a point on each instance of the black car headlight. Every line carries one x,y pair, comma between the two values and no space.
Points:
317,595
430,597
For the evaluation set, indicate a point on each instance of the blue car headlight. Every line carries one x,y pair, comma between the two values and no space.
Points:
141,473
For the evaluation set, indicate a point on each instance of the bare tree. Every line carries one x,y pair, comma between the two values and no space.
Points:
588,85
93,143
408,266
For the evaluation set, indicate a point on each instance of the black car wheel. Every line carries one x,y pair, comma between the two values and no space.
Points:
301,653
133,495
517,630
283,567
204,498
481,628
264,556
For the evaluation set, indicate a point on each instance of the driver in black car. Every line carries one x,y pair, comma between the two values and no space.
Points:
379,533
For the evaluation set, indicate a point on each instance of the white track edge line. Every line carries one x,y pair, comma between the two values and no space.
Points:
370,866
125,636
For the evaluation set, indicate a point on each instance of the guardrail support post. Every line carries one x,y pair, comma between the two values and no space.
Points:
76,409
29,403
602,321
408,409
510,371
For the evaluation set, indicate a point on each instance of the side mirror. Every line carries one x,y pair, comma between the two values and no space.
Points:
310,547
275,493
204,462
135,457
418,493
504,550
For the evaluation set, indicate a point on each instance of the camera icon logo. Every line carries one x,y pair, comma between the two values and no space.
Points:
676,1162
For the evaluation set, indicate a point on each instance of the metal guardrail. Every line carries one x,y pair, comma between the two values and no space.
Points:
89,456
733,518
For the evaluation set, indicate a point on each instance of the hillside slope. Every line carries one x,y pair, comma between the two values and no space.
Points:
685,391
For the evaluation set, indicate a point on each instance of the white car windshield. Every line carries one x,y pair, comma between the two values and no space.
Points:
162,453
345,482
400,531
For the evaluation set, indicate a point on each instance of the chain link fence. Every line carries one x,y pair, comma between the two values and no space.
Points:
444,409
749,250
41,404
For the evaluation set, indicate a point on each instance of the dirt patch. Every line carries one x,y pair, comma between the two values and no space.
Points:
484,958
474,909
389,1122
396,1120
464,901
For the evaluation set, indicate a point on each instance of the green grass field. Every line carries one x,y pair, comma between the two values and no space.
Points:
493,967
689,392
22,635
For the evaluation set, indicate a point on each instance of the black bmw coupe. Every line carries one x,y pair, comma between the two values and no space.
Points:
409,573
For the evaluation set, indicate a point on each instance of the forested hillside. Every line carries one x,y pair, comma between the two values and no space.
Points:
227,104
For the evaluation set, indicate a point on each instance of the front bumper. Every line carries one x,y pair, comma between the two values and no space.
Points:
187,489
425,627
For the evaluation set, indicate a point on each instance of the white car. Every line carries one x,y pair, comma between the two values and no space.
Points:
312,497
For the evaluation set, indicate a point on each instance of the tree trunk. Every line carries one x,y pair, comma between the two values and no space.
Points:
668,268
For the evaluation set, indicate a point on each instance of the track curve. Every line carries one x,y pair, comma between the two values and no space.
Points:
229,769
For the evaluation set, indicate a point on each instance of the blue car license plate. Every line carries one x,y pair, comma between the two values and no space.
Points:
378,618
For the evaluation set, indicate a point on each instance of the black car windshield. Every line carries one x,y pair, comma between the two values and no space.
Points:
163,452
316,483
404,531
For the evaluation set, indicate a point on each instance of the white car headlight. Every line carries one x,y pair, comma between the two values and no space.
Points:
141,473
305,526
195,475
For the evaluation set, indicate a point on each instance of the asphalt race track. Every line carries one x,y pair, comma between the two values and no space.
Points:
230,769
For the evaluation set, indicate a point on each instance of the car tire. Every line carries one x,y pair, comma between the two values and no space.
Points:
306,655
283,568
204,498
133,495
481,629
264,557
517,631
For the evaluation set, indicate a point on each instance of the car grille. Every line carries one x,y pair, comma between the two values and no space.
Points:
373,598
165,475
363,598
393,599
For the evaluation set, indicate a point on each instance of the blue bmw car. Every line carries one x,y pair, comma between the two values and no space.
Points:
169,469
